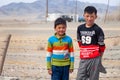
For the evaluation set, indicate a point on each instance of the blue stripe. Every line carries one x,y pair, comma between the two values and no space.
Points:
53,39
59,56
48,59
72,59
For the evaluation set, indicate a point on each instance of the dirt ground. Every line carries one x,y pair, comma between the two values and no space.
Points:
25,58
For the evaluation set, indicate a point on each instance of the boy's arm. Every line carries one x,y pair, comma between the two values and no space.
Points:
48,57
102,49
101,42
79,43
71,51
78,37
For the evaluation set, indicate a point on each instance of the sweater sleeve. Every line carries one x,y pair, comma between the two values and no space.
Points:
49,52
71,51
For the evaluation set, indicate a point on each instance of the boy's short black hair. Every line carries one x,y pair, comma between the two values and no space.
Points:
59,21
90,10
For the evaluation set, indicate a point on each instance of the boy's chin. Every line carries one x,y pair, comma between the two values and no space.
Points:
89,24
62,34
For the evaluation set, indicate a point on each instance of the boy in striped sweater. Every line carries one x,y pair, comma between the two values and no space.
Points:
60,53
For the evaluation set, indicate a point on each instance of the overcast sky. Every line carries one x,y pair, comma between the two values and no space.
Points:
112,2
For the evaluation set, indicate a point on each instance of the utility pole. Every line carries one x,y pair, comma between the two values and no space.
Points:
119,10
106,11
46,10
76,11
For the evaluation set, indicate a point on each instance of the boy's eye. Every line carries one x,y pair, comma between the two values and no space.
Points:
61,28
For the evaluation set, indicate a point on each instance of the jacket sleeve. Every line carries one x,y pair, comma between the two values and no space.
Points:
79,37
101,43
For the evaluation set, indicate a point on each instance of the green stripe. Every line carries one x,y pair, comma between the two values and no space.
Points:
70,45
59,43
72,65
49,45
48,65
57,62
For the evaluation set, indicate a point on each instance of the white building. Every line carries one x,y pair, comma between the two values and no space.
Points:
53,16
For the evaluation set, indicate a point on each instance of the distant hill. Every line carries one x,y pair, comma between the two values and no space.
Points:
55,6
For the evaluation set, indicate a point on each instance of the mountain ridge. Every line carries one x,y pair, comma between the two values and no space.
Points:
54,6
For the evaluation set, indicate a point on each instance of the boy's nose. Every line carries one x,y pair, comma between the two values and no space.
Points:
89,18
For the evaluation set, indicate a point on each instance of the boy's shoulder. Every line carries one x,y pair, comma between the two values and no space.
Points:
81,26
51,37
97,27
67,36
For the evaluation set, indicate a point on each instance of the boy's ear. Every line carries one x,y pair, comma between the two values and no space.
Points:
83,15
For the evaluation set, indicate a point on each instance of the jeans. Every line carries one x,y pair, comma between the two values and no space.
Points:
60,72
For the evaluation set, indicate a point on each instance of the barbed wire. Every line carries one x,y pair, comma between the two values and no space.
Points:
112,37
27,47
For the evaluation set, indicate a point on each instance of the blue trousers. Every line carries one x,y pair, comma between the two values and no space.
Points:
60,72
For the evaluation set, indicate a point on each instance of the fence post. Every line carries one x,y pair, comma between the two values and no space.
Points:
4,54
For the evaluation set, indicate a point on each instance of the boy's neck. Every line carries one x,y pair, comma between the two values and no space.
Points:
89,26
59,36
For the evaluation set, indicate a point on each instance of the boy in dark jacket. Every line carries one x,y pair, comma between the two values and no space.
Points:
90,38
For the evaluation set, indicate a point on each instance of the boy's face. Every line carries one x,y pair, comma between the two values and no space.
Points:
90,18
60,29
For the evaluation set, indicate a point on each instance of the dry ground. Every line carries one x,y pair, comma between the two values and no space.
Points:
26,53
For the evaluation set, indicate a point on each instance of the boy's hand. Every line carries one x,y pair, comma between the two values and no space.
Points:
79,43
71,70
101,54
49,71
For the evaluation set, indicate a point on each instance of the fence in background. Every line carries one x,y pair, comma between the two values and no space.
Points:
25,58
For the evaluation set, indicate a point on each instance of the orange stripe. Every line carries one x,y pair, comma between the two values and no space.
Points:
71,49
60,47
49,49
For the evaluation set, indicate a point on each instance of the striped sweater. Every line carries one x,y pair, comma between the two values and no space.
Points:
60,52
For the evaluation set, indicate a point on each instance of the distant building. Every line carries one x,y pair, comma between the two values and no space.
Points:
53,16
67,17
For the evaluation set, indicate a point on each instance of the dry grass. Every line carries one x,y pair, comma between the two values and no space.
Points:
114,16
112,42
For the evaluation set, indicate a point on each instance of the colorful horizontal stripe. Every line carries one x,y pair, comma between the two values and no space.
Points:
58,56
64,47
60,51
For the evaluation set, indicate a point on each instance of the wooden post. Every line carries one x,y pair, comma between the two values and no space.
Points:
4,54
106,11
